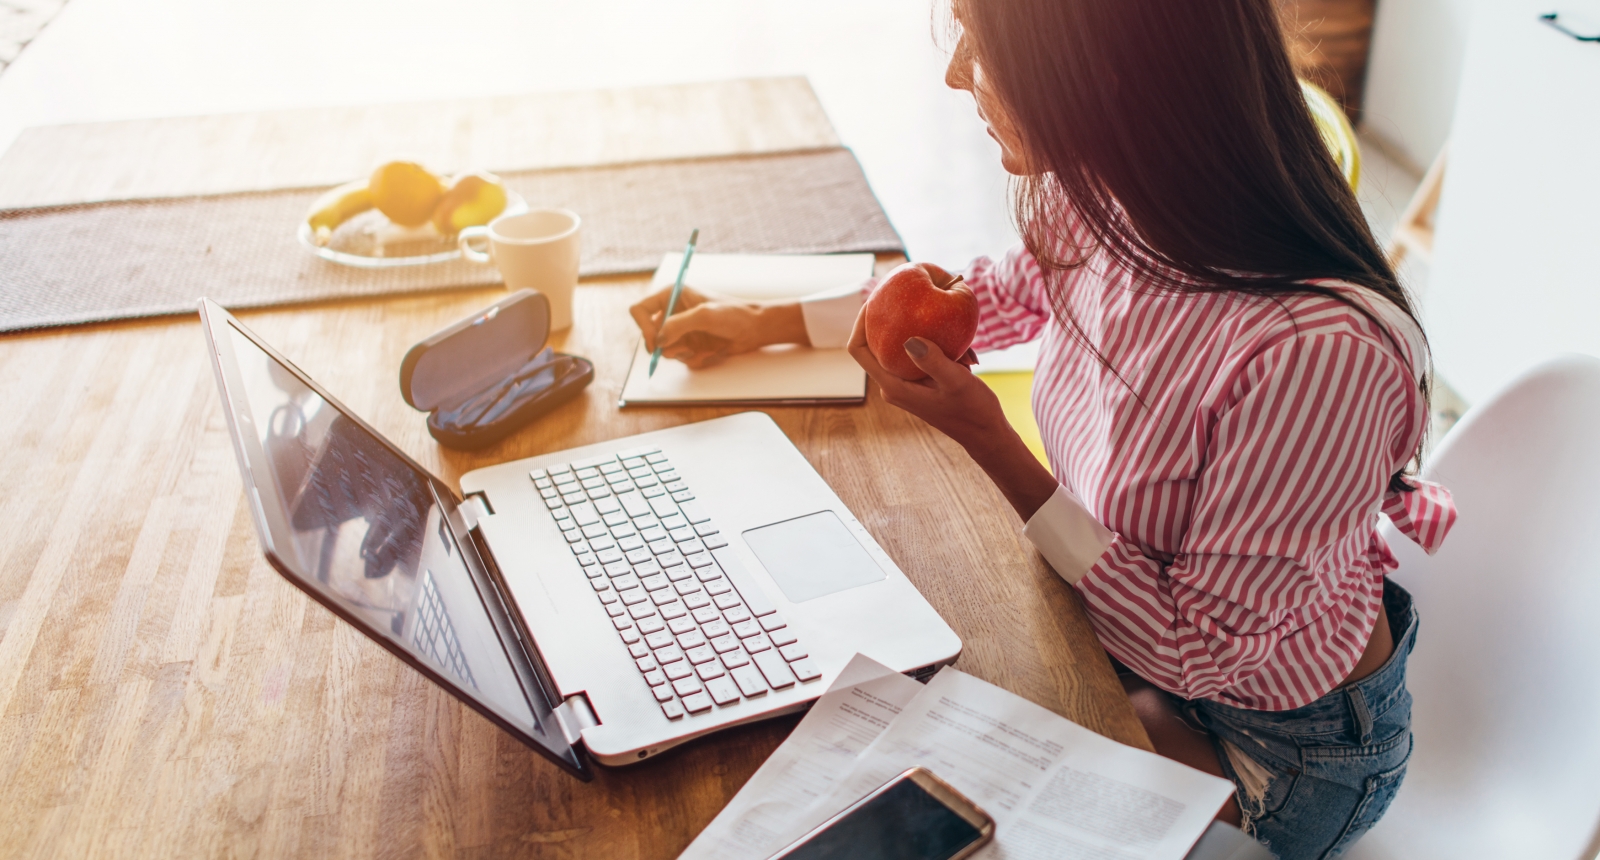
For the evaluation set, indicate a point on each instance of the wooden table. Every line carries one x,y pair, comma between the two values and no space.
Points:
163,692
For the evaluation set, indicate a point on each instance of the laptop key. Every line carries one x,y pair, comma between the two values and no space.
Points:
678,671
555,503
687,586
633,503
805,670
722,690
715,628
725,598
673,610
622,623
697,600
630,544
699,560
706,614
710,669
633,596
649,568
647,663
626,581
664,596
700,654
687,686
616,609
736,615
602,543
587,472
662,691
681,534
682,624
735,658
691,639
774,669
707,574
641,612
610,467
676,521
749,680
694,512
724,643
630,635
793,652
697,702
651,624
651,583
615,518
600,583
663,506
650,487
714,541
638,649
672,709
659,639
771,622
669,559
679,573
574,498
758,642
692,547
782,636
746,629
683,496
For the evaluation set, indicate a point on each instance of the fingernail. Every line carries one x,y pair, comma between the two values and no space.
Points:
915,348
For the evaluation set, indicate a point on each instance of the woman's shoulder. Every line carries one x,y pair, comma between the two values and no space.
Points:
1333,311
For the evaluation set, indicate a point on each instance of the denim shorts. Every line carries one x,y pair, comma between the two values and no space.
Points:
1313,779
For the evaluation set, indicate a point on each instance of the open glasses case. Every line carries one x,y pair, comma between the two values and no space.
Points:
491,373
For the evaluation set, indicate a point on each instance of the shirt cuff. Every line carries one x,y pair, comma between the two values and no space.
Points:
831,316
1067,535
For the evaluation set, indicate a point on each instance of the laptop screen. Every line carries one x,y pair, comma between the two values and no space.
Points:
366,530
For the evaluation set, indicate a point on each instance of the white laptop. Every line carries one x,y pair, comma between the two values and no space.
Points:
610,601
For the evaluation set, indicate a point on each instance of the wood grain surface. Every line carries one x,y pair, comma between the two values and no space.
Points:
164,693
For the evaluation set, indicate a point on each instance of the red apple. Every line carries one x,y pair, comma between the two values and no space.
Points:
909,304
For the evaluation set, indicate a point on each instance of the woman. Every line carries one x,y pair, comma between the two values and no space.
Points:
1230,388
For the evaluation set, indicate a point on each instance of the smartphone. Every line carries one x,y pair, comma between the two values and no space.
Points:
915,816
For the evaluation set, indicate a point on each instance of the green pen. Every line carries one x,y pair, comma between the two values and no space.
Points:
672,300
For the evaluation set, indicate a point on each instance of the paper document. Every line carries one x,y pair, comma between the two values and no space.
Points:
1056,790
791,374
862,702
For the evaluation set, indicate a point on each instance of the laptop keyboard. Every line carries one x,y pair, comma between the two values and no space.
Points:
700,631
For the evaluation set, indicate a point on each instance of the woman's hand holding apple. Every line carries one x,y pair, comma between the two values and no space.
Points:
957,403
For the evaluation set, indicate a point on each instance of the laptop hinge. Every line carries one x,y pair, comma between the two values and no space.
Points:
475,507
575,715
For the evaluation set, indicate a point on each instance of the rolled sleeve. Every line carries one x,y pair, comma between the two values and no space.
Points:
831,316
1067,535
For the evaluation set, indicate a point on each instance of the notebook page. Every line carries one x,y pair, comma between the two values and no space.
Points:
773,374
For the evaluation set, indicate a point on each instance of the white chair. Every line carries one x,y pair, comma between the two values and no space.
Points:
1506,671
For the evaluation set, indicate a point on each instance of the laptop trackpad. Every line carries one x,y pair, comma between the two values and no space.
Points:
813,555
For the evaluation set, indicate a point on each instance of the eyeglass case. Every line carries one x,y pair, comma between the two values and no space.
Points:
490,374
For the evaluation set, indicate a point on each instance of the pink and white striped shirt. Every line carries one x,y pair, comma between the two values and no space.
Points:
1223,532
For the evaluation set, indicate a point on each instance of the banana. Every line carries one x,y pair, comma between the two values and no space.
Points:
337,206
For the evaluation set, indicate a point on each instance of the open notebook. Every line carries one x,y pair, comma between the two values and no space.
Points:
788,374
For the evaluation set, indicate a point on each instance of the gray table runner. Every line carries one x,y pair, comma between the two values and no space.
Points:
138,258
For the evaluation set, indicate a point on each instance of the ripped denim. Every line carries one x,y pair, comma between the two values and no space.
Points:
1310,781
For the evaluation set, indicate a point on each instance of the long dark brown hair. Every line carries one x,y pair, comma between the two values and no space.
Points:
1177,135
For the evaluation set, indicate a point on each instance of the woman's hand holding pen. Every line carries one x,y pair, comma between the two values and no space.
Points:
702,332
959,404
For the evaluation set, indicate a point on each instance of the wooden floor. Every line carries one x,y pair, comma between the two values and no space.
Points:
163,693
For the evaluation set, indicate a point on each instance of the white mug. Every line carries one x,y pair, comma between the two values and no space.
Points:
537,250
